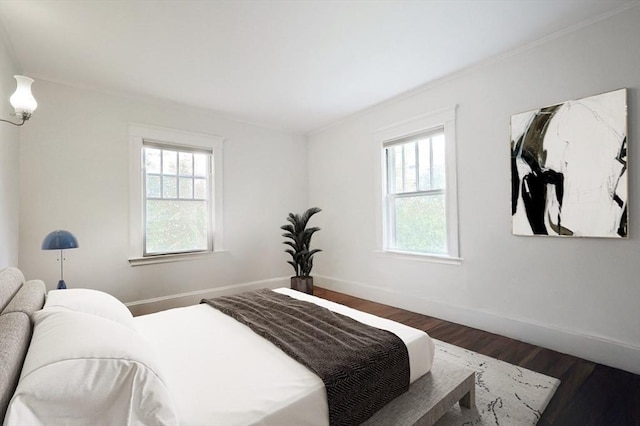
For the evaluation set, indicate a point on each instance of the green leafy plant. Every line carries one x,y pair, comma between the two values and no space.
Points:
300,236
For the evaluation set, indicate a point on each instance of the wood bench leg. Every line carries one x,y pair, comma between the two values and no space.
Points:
468,400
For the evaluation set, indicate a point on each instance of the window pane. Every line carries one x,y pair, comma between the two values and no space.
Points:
154,186
398,168
409,151
169,162
200,164
169,187
152,160
439,168
176,226
421,224
424,159
186,188
185,163
200,189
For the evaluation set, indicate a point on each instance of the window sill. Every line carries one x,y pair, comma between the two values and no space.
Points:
166,258
419,257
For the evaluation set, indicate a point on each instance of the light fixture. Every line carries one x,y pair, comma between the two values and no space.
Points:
60,240
22,100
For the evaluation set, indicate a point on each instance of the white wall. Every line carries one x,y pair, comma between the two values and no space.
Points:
9,161
74,168
582,296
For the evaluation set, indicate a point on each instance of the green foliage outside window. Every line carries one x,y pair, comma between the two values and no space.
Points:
176,226
421,224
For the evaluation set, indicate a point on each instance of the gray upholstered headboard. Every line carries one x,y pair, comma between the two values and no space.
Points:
18,300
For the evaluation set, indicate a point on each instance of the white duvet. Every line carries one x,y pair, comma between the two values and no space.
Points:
219,372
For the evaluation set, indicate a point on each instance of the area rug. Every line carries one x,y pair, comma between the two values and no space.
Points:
505,393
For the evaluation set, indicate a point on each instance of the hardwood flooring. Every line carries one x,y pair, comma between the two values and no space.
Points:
589,393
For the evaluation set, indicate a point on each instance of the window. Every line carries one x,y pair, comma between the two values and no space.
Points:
418,187
416,193
177,202
176,194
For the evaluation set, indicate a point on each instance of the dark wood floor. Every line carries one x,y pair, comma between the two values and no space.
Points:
589,393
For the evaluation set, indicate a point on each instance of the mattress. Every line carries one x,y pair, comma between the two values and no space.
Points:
219,372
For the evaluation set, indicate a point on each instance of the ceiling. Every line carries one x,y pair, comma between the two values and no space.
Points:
292,65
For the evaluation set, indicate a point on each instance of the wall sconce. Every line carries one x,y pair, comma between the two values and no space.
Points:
22,100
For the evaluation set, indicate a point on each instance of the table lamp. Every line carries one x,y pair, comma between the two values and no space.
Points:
60,240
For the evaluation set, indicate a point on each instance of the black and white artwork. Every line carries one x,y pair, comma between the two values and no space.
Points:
569,168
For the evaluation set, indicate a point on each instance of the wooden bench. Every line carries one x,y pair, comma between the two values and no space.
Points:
429,397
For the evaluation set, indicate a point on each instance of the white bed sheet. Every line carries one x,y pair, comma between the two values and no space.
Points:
219,372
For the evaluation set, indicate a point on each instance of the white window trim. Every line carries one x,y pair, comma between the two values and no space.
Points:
138,133
442,118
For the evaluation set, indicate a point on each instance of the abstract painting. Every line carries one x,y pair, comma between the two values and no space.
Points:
569,168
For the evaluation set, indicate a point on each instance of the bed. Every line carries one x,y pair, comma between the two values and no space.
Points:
90,362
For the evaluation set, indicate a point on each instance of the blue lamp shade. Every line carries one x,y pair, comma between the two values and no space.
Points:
60,240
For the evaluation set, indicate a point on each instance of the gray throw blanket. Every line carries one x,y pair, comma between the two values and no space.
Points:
362,367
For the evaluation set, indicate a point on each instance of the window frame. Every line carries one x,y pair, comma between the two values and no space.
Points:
143,135
401,132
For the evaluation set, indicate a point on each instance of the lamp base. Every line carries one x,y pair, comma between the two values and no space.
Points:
62,285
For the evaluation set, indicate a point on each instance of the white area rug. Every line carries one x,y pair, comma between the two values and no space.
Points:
505,393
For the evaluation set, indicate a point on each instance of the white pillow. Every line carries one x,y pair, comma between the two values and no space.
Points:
82,369
90,302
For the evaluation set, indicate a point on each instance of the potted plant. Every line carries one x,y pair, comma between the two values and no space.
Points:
301,254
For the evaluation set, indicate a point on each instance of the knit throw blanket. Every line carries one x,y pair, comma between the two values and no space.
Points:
362,367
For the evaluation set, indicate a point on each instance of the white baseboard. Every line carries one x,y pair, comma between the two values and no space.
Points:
593,348
148,306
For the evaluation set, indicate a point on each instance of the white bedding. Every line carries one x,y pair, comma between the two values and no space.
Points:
219,372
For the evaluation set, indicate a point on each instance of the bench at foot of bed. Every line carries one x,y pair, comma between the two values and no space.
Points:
429,397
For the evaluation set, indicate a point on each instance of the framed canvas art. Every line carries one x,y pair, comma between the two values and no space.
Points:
569,168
